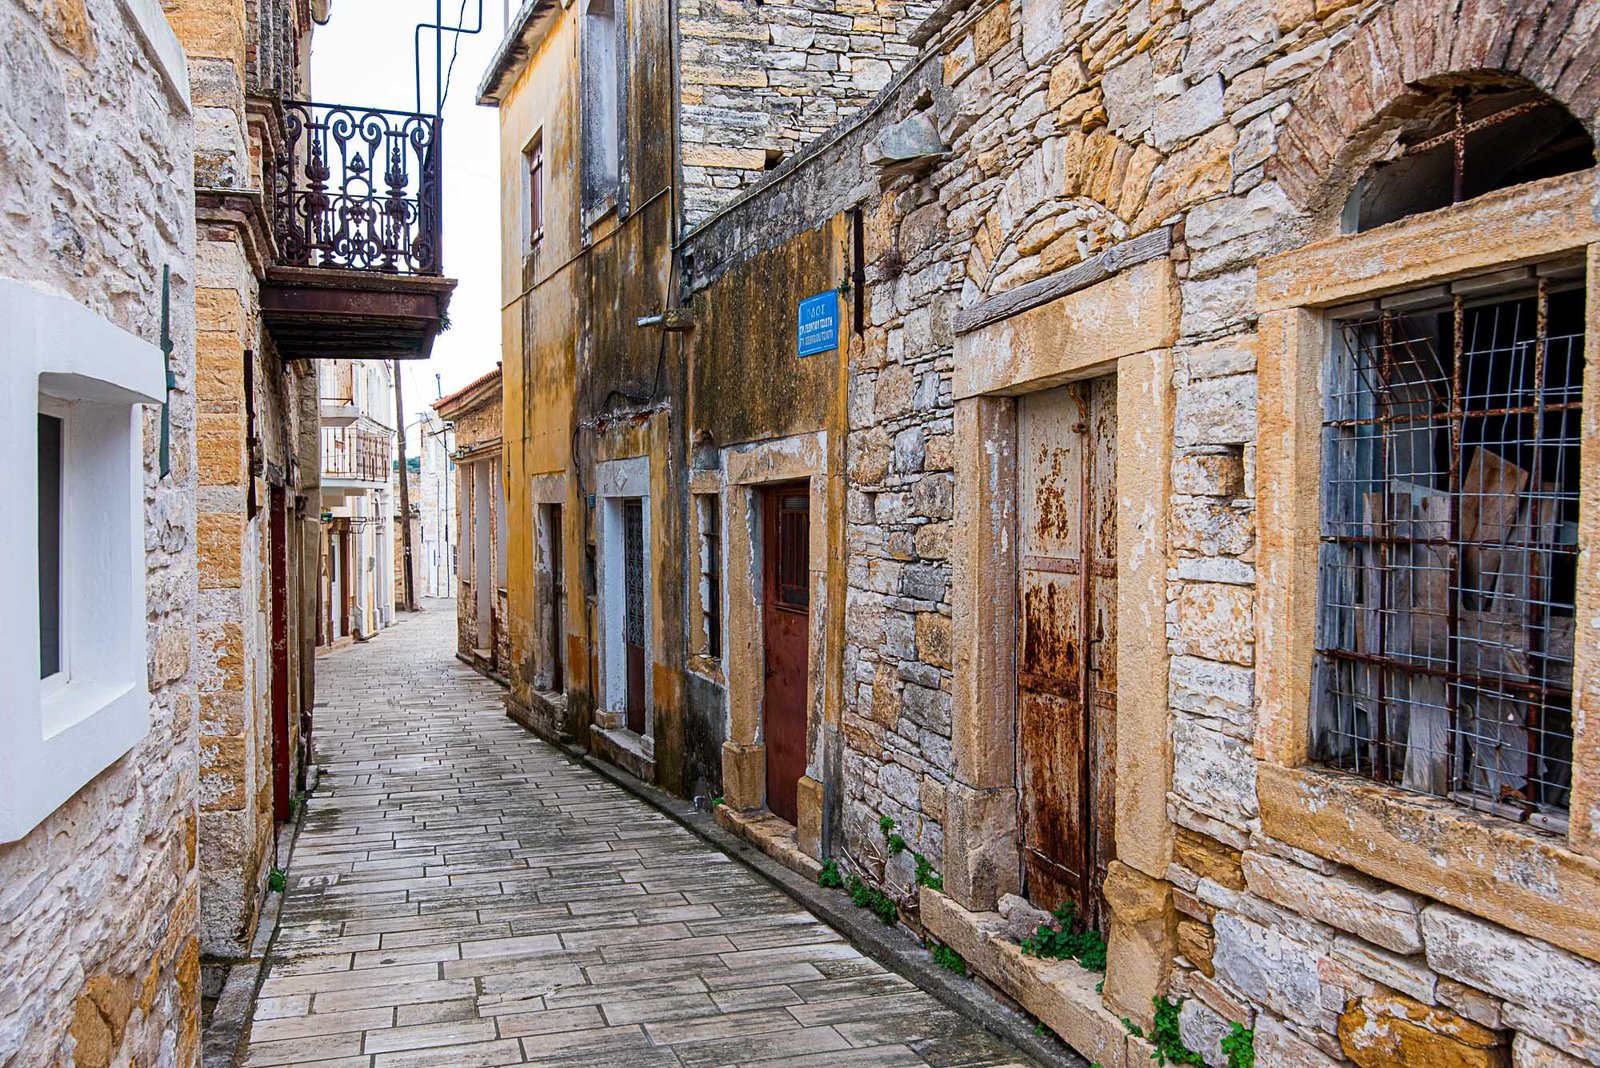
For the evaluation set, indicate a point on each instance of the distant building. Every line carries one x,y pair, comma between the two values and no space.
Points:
359,500
435,501
1139,464
475,413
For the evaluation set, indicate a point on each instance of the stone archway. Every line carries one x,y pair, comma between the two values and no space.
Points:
1340,117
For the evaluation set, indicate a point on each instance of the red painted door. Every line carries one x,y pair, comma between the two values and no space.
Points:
1066,661
558,602
635,606
786,541
282,761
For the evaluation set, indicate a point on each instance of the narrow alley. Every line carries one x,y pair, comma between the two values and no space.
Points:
462,894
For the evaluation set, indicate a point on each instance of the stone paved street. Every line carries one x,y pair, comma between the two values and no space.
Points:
463,895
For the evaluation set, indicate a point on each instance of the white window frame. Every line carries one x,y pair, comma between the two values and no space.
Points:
619,481
53,684
57,735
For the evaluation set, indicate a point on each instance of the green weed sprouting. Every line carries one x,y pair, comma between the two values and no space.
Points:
870,897
1240,1046
949,960
1166,1039
829,878
1087,947
925,875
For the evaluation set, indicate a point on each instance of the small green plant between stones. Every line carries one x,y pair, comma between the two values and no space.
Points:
1087,947
925,875
949,960
897,845
829,878
276,880
885,824
1240,1046
870,897
1166,1039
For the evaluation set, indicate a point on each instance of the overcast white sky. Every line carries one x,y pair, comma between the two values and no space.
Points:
364,57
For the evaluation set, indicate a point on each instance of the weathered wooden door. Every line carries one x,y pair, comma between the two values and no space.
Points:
786,626
1067,643
635,605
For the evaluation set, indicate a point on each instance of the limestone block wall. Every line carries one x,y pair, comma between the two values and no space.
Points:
99,954
1073,127
257,421
898,678
759,80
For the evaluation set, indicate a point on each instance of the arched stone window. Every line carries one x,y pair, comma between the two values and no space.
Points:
1461,139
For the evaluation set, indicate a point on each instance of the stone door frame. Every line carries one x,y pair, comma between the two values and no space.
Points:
747,469
1125,325
546,491
620,480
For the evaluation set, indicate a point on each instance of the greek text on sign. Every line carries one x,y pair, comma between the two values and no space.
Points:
819,323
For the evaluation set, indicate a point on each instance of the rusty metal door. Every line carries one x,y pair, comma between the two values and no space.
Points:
786,624
635,607
1066,660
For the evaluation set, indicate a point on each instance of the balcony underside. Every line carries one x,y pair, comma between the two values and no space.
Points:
338,488
320,314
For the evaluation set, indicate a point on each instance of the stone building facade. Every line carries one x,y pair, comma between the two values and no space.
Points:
436,566
99,933
474,416
756,83
1209,559
359,500
608,636
259,462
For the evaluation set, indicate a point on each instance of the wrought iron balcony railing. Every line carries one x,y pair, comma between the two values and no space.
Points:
358,189
363,455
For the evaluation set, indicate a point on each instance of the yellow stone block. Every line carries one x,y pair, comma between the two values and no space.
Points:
219,443
220,537
1394,1031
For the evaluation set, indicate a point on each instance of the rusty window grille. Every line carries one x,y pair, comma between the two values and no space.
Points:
1467,141
1448,574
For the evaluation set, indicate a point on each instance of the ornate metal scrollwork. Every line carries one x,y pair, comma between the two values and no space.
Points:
358,189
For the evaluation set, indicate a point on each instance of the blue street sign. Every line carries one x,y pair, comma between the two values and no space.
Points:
819,323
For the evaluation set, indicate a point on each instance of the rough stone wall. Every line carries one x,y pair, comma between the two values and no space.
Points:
758,81
1075,126
99,954
253,434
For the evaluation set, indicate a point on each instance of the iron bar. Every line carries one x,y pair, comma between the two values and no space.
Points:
359,189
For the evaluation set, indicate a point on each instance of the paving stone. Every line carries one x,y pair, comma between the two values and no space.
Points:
461,894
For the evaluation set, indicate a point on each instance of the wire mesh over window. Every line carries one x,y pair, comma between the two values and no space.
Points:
1449,543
